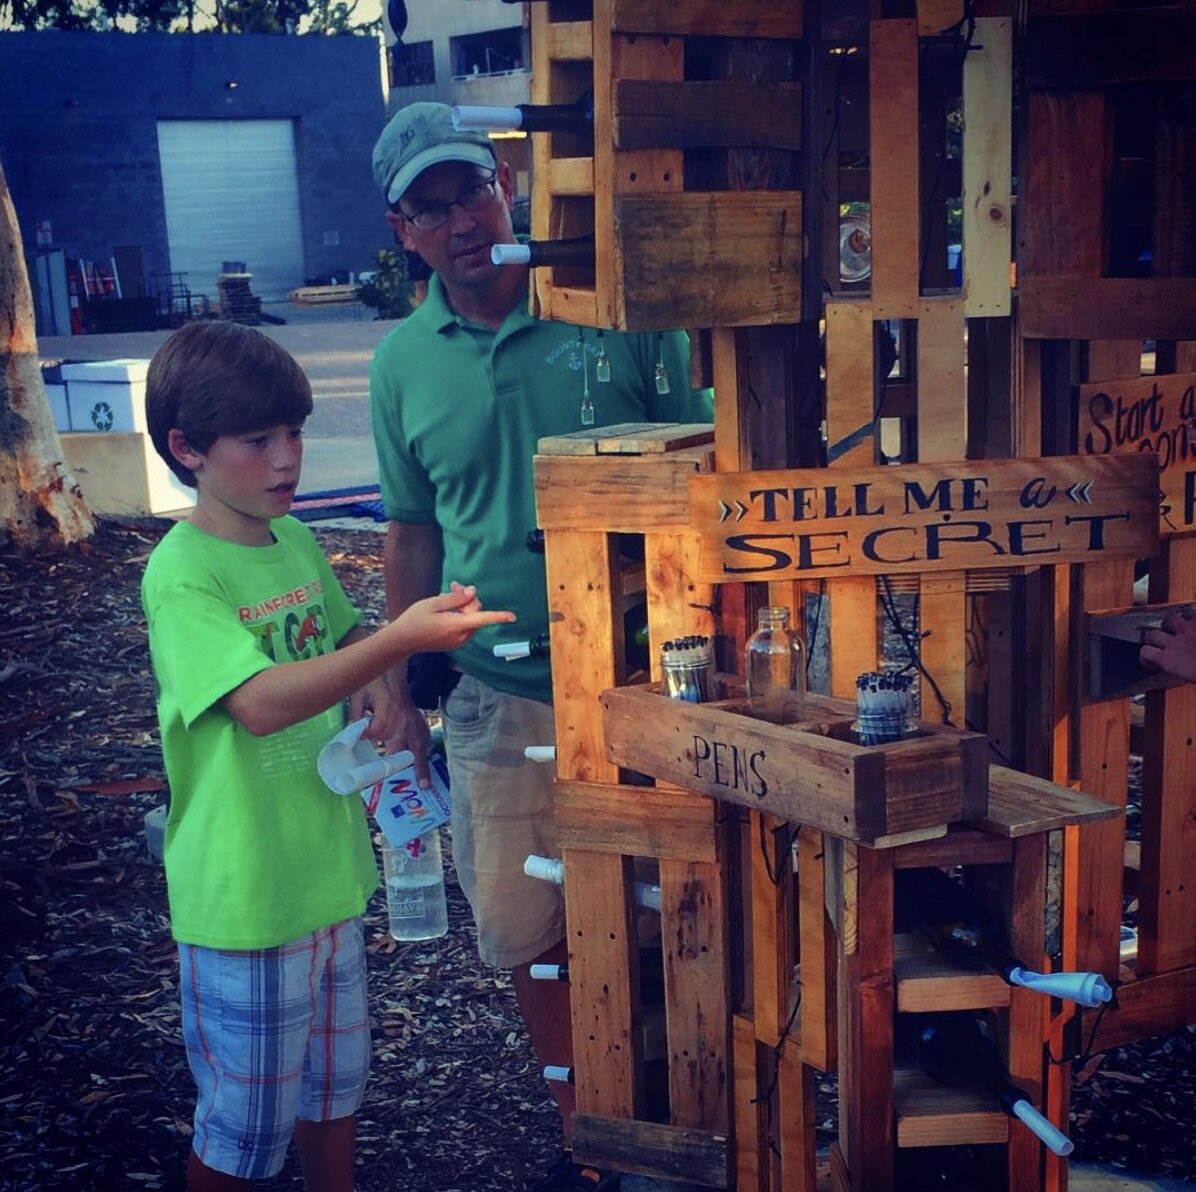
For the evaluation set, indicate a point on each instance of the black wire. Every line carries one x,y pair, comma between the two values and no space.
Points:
1086,1054
888,603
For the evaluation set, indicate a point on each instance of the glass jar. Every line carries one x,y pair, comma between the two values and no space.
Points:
775,667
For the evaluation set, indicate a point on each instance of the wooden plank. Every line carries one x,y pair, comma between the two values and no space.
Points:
804,523
866,999
709,18
772,895
850,399
1023,805
603,984
930,1114
629,438
617,493
961,846
689,115
816,952
798,773
636,821
927,982
798,1119
1061,215
750,1164
942,388
1104,770
568,304
696,983
582,580
893,113
653,1149
569,176
988,169
1155,1005
569,41
1145,45
1138,414
729,258
1057,307
1166,893
639,171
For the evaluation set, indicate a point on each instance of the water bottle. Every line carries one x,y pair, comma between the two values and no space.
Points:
415,900
775,667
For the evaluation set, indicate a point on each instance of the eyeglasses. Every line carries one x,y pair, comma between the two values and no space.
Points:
435,215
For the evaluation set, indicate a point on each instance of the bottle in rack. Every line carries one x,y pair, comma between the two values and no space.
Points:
775,668
959,926
576,250
536,646
959,1050
552,869
576,118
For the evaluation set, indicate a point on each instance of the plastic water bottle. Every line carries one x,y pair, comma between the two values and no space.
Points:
415,900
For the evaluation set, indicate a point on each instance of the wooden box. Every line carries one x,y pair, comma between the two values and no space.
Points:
811,772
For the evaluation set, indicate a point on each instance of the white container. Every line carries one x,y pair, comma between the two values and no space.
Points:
106,395
59,407
155,832
415,899
124,475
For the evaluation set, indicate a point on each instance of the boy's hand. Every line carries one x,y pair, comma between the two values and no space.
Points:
445,622
374,700
1172,647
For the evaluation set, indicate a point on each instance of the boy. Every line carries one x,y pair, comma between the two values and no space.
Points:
254,646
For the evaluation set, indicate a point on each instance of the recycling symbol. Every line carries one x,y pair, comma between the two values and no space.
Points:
101,416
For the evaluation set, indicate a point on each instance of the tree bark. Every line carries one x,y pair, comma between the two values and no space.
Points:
40,500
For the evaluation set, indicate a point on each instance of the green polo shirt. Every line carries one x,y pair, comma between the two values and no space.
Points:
458,410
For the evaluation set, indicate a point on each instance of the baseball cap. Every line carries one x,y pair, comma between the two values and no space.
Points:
421,135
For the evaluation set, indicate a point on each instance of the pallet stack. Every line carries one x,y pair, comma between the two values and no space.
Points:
238,303
777,912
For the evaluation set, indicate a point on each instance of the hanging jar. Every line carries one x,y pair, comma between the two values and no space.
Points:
775,666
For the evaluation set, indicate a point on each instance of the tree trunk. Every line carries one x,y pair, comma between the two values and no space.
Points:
40,500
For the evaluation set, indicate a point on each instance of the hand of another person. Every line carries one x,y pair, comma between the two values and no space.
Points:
1172,647
374,700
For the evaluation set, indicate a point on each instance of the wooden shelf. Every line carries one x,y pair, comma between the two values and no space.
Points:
926,981
930,1114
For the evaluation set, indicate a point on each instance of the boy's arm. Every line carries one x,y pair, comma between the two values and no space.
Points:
283,695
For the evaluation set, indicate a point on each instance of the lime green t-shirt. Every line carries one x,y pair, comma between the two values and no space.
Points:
258,850
458,410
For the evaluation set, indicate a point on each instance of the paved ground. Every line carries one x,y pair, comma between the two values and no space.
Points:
334,346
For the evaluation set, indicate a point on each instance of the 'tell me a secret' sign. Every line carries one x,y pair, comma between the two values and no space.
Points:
964,516
1148,414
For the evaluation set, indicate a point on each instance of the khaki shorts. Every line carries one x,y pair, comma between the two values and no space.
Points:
503,811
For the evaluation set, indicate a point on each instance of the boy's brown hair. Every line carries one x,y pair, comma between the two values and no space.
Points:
212,379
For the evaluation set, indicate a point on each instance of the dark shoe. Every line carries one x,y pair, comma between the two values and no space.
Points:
566,1176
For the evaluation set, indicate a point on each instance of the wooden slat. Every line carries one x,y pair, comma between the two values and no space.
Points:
1104,772
1022,805
817,954
1108,307
795,1089
772,892
750,1164
563,40
709,18
936,15
569,304
930,1114
696,982
629,438
926,982
569,176
1101,49
636,821
893,100
866,999
1167,894
616,493
652,1149
1155,1005
707,259
988,169
961,846
582,571
603,984
688,115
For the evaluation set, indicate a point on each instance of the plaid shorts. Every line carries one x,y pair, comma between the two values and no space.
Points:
273,1035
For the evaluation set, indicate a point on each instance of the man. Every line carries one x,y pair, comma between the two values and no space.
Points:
460,393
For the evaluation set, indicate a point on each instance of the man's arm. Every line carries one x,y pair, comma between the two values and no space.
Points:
413,560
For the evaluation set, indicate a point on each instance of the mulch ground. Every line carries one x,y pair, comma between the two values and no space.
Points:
94,1087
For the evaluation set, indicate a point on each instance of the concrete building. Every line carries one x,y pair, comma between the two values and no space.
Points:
195,150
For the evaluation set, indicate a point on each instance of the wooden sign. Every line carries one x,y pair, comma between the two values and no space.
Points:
963,516
1144,414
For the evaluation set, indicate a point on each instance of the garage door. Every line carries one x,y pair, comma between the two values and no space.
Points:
232,194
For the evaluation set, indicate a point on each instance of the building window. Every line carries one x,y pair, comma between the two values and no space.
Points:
412,65
497,51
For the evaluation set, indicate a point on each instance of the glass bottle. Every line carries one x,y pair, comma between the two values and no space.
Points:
775,666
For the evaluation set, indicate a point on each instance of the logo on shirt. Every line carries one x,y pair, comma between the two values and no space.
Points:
570,351
290,627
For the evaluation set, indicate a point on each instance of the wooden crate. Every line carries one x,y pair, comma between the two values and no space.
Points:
671,250
811,772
